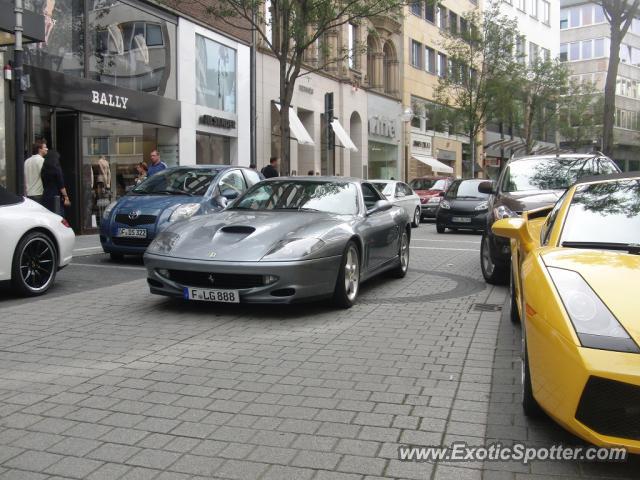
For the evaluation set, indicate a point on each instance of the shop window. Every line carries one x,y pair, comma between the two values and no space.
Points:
99,146
212,149
215,75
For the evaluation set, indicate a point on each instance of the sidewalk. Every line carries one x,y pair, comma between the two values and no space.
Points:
87,245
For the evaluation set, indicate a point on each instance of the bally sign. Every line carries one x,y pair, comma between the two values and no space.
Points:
109,99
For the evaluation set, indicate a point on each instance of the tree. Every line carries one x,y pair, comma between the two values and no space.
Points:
482,66
580,119
542,85
619,14
289,29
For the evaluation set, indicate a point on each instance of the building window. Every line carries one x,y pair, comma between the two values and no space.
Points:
416,8
464,27
268,24
215,75
587,15
587,51
546,54
353,46
442,65
533,8
533,52
574,17
564,52
430,12
598,49
430,60
598,14
564,19
546,12
416,54
453,22
441,14
520,53
521,4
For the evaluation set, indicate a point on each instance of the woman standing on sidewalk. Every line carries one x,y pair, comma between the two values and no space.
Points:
53,183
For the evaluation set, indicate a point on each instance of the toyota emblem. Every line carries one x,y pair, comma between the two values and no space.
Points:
211,278
135,214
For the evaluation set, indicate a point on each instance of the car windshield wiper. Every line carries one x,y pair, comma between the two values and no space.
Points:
626,247
308,209
172,192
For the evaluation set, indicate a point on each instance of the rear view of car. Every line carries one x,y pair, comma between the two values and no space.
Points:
430,190
463,207
525,184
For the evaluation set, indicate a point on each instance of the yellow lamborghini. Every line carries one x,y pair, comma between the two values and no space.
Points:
575,284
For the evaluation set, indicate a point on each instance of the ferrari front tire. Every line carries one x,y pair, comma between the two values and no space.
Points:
35,264
530,405
348,282
416,218
400,271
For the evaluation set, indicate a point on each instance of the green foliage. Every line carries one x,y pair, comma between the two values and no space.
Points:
580,119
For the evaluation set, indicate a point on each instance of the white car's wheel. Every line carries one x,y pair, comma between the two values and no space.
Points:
35,263
416,218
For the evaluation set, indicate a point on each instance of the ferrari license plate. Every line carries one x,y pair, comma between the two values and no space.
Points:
132,232
206,295
461,219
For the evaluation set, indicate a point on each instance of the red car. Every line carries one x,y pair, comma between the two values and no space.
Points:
430,190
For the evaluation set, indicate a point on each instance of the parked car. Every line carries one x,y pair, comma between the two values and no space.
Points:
527,183
463,207
284,240
131,223
576,271
430,190
401,194
36,243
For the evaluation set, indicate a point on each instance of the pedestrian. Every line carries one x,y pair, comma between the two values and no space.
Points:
156,164
33,168
54,196
271,170
141,170
253,167
310,173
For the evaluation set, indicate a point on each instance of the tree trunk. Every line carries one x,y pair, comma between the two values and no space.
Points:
285,103
609,113
529,114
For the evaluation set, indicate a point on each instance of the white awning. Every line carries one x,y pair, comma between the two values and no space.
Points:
343,136
433,163
297,128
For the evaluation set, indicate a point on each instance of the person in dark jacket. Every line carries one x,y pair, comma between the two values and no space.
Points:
271,170
53,183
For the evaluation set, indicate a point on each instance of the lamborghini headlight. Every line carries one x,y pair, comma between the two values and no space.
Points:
593,322
164,242
185,211
294,248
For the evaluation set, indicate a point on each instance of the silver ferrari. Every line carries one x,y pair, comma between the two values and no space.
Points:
282,241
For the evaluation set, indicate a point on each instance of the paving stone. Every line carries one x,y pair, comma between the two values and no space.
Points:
74,467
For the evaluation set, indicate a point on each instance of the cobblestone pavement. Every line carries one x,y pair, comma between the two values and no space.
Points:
114,383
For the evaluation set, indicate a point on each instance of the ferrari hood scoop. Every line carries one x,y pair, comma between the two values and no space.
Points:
238,229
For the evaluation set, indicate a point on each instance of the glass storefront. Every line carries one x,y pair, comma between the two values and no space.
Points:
212,149
215,75
124,46
383,161
111,150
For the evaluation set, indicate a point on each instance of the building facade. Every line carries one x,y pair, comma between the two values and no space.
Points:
107,87
539,37
585,45
432,146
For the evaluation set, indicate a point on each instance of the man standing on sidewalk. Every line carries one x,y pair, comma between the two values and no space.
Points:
156,164
271,170
32,168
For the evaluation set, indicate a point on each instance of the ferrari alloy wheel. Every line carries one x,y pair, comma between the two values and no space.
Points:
492,272
35,263
514,315
416,218
348,283
440,228
530,405
400,271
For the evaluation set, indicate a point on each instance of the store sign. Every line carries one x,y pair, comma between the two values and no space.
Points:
219,122
382,127
304,89
445,154
109,99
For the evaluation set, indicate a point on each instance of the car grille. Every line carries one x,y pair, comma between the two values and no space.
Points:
131,242
216,280
134,222
610,408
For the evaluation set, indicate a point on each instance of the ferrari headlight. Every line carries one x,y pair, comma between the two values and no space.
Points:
294,248
185,211
164,242
482,206
444,204
107,211
503,212
593,322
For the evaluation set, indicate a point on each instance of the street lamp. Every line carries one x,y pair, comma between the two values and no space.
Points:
406,116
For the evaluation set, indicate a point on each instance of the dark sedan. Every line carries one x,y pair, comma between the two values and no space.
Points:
463,207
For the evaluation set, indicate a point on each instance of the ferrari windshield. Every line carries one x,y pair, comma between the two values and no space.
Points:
552,173
604,213
331,197
428,184
178,181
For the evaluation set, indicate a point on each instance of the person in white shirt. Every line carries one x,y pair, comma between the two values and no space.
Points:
33,168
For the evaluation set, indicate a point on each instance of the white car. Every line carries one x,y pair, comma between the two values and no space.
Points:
36,243
401,194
